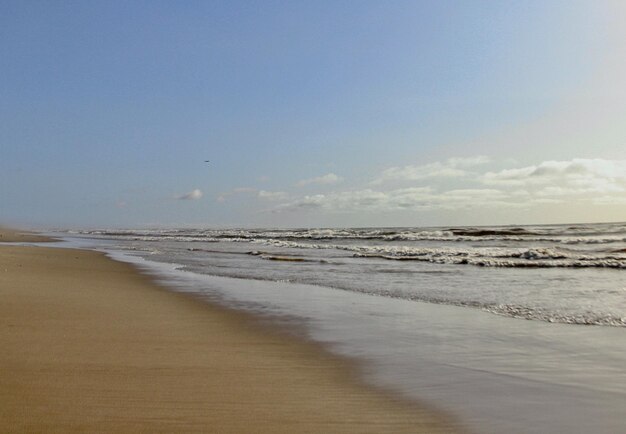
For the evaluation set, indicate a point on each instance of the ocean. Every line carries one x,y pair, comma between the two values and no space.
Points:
517,329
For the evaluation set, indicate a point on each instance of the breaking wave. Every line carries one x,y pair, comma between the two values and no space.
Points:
556,234
388,261
513,247
485,257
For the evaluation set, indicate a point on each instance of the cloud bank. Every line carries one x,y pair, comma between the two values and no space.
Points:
411,199
234,192
577,176
327,179
592,181
451,168
272,195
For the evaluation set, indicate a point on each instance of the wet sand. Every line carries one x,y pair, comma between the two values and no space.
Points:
91,345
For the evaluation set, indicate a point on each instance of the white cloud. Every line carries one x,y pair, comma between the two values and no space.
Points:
577,176
559,191
509,176
192,195
468,161
451,168
545,201
609,200
329,178
586,182
235,191
577,168
272,195
422,198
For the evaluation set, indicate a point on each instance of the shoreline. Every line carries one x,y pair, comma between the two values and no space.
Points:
94,345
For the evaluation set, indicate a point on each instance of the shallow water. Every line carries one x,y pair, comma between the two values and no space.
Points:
496,373
569,274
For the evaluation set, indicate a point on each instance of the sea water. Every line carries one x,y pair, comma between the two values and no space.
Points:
510,329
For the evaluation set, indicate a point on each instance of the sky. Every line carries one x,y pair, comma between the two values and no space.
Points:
311,114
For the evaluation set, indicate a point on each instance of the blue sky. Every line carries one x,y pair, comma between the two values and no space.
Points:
312,113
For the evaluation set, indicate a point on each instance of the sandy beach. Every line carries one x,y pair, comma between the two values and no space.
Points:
91,345
9,235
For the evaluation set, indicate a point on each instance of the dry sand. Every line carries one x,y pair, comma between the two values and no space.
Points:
16,236
88,344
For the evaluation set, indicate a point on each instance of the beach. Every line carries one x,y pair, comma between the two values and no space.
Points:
92,345
8,235
506,329
313,217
